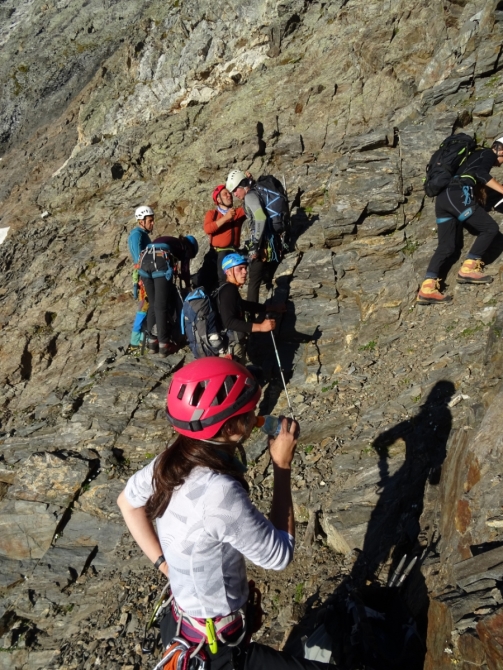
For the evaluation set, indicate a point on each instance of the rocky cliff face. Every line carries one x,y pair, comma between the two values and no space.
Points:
108,105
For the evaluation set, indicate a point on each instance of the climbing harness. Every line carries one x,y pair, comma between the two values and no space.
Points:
186,649
209,631
151,256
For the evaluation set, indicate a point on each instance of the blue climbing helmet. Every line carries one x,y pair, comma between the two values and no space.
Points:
232,260
194,243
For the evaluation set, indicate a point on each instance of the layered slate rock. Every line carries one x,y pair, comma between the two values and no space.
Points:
120,105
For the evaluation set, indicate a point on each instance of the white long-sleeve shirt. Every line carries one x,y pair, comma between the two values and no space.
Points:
210,525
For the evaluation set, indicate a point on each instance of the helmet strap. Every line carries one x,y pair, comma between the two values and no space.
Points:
231,276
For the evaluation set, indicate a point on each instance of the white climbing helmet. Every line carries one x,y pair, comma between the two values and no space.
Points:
234,178
142,212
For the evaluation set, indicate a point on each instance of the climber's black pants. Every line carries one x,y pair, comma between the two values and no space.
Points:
162,307
449,205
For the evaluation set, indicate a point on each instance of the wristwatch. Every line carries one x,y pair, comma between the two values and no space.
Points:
159,562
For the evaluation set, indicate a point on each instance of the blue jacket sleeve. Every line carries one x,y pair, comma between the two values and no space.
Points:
137,241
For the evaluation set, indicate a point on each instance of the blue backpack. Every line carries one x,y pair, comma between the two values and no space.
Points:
201,324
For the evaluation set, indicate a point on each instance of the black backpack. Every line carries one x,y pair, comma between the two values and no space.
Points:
446,161
274,200
202,325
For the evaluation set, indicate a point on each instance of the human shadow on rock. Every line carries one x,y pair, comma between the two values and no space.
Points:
301,221
410,454
288,340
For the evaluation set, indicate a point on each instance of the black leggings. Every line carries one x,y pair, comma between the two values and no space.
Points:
162,308
255,657
449,205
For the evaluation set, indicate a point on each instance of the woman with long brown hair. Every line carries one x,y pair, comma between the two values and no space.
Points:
206,523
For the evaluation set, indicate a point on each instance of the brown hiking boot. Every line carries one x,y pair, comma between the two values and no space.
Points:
472,272
167,348
429,293
152,345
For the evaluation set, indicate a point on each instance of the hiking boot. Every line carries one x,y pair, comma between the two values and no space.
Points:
429,293
166,348
152,345
133,350
472,272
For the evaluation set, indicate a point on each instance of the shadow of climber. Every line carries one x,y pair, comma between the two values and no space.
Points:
369,624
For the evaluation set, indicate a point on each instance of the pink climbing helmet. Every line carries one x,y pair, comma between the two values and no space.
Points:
204,394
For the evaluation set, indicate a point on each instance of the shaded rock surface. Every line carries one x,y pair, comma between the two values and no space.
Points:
108,105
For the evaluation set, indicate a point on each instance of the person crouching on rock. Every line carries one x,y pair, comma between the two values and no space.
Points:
232,307
223,225
158,263
207,525
455,206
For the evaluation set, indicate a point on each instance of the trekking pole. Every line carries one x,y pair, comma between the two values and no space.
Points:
282,375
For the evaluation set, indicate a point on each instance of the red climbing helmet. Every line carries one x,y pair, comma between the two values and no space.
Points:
205,393
217,192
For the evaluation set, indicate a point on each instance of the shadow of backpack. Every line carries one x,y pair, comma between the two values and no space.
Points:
201,324
383,633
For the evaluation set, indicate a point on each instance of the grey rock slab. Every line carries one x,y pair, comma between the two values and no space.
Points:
62,564
487,57
49,478
13,572
23,659
342,541
100,499
373,140
377,225
484,107
488,565
84,530
27,528
436,94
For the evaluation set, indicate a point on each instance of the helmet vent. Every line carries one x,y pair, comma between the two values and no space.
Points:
198,392
181,391
224,390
